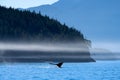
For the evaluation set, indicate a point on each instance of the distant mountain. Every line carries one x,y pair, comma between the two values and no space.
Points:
99,20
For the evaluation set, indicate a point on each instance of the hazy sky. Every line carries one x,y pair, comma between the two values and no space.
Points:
25,3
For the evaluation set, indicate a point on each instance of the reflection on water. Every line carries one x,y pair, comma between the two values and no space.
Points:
70,71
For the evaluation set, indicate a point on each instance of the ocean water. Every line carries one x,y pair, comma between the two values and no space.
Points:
108,70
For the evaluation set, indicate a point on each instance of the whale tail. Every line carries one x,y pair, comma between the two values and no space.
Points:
59,65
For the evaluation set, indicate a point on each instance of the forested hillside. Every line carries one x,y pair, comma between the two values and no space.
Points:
26,25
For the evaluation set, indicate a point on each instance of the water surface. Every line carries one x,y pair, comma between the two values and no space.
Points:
70,71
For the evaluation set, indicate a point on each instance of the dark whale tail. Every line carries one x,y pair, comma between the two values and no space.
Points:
58,65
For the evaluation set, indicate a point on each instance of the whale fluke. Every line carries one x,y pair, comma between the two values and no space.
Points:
59,65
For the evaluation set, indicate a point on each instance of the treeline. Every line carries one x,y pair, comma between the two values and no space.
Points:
26,25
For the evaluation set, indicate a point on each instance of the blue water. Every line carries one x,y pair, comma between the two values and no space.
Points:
70,71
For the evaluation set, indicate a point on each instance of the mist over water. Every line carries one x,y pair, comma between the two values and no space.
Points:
42,47
99,51
112,46
42,52
106,50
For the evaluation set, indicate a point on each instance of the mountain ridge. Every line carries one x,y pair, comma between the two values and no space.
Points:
94,18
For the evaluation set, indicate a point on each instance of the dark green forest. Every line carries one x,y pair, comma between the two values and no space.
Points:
31,26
